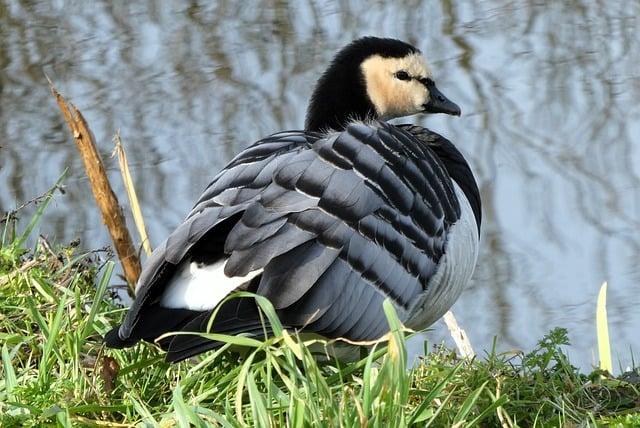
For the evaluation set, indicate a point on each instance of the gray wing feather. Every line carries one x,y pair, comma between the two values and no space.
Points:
351,291
241,262
292,274
244,236
327,290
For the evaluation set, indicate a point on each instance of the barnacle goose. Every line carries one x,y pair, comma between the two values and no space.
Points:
327,222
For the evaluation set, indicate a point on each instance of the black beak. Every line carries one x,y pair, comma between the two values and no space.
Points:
438,103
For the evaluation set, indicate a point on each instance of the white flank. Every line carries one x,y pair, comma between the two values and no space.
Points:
200,288
454,270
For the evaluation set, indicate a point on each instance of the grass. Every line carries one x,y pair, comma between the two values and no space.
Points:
56,304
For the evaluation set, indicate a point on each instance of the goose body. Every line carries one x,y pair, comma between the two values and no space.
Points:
326,222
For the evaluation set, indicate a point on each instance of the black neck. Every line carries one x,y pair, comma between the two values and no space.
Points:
339,98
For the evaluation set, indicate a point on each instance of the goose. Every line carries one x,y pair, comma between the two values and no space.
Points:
326,223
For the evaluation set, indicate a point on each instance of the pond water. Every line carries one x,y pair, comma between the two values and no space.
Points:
551,126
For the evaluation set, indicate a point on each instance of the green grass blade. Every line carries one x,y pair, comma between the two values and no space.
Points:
367,376
242,379
51,342
143,411
64,419
97,299
354,367
35,219
185,416
10,379
297,412
440,408
268,309
420,414
258,406
604,346
487,411
224,338
36,316
180,409
468,404
398,350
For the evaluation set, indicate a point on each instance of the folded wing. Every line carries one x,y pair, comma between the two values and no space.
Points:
334,224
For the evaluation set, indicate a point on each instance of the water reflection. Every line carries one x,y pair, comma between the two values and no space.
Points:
550,124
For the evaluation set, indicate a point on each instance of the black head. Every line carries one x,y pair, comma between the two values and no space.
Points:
374,78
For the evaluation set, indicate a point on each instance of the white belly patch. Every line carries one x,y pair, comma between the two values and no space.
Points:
201,287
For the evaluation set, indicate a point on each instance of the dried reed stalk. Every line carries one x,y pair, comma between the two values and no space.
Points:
105,198
459,336
131,193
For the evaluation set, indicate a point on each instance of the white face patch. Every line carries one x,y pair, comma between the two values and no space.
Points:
393,97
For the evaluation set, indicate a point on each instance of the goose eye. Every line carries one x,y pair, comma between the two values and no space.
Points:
402,75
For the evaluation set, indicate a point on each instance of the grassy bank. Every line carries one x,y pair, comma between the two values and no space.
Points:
56,305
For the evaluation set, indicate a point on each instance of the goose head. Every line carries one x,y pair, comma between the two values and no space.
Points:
374,78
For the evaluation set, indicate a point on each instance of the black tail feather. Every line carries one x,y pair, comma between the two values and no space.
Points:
236,316
157,322
186,346
239,315
112,339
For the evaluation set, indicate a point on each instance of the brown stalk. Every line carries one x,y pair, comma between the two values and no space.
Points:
138,218
112,214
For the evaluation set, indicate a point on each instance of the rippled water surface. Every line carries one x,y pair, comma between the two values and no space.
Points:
551,125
